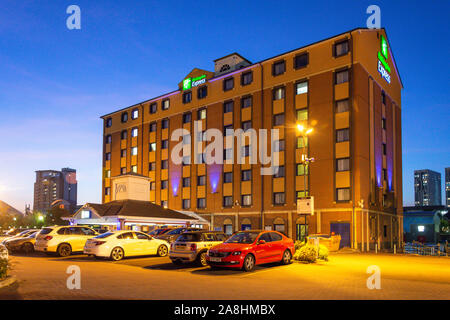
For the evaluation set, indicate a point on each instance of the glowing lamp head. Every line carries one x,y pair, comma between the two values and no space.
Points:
300,127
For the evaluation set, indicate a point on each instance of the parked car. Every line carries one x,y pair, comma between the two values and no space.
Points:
126,243
245,249
13,232
159,231
192,246
63,240
24,244
22,234
173,234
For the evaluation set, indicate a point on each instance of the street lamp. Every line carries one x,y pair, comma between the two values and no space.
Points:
40,218
304,132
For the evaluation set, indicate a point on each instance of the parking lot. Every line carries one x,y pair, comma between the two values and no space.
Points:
342,277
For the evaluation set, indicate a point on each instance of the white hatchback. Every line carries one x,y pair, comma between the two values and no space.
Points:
119,244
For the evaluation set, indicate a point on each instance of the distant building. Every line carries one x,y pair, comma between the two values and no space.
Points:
422,223
427,188
52,185
447,187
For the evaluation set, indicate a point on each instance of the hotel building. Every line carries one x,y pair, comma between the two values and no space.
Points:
346,88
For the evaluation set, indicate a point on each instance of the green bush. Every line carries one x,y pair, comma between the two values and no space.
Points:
3,268
307,253
323,252
298,244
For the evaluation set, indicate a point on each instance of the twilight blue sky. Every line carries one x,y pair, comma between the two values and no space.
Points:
55,82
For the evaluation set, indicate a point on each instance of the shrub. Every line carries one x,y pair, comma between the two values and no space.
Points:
3,268
298,244
323,252
307,253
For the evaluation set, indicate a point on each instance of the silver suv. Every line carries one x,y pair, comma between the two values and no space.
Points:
193,246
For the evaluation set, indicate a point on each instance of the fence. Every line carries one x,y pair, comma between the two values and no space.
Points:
426,249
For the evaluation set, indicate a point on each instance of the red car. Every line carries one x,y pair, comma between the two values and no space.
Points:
245,249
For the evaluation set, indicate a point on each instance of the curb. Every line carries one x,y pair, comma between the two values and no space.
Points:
7,282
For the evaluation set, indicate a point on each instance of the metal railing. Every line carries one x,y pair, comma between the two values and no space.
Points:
426,249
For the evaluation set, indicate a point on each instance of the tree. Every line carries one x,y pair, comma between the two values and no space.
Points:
54,216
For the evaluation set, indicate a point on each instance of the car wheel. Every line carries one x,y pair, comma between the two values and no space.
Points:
201,259
117,254
287,256
28,248
249,263
64,250
162,251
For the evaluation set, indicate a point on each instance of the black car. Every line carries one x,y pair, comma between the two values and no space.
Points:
172,235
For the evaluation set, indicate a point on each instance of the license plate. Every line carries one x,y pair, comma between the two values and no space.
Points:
215,259
180,247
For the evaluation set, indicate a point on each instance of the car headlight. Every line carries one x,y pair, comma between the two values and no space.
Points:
236,253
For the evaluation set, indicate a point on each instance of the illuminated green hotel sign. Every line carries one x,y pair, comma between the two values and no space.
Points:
188,83
383,66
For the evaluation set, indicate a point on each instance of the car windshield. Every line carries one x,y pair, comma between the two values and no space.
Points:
189,237
175,231
157,232
46,231
104,235
243,237
33,235
23,233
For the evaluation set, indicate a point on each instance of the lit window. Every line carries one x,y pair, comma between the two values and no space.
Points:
246,200
421,228
152,146
343,194
302,87
278,198
302,115
302,142
134,132
201,114
166,104
301,169
278,94
107,193
343,164
134,151
135,114
164,203
134,169
108,174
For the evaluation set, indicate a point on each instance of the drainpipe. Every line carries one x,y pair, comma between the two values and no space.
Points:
355,241
262,126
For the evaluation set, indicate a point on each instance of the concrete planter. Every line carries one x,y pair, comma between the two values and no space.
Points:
8,281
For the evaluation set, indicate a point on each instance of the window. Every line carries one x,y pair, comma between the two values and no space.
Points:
228,154
278,68
108,139
227,177
383,97
123,153
164,203
228,84
301,60
384,174
141,236
384,149
302,114
165,144
201,158
201,203
301,87
227,201
165,123
280,173
246,78
135,113
278,94
383,123
166,104
186,203
124,117
228,107
187,97
246,102
134,132
245,151
153,185
152,146
301,169
278,119
187,117
279,145
152,166
153,127
301,194
278,198
228,130
128,236
246,175
107,191
187,139
164,184
342,106
134,151
201,114
108,156
186,160
342,135
134,169
124,134
246,200
341,48
343,164
186,182
341,77
246,125
302,142
201,180
343,194
123,170
165,164
202,92
153,107
108,122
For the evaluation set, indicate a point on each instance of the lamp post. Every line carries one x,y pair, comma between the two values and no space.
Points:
305,160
